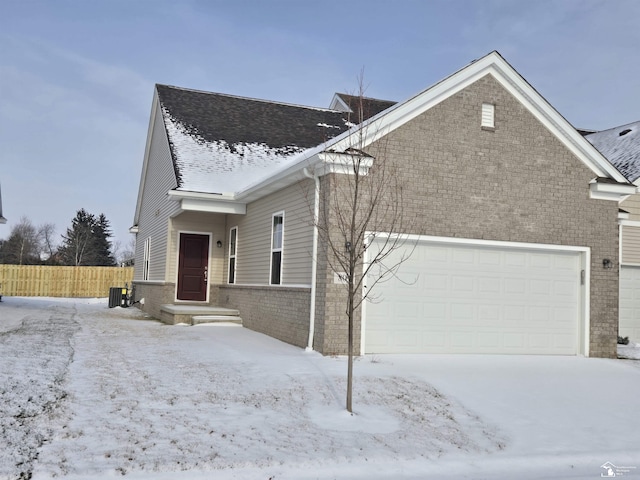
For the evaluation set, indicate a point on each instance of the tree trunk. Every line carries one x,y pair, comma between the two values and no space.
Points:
350,337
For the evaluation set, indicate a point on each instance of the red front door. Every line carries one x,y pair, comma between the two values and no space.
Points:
193,263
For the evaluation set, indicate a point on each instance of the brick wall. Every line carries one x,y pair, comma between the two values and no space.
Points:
280,312
154,295
515,183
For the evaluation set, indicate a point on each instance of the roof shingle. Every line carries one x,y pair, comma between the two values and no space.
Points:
621,146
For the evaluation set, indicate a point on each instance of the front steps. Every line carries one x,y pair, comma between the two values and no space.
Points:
198,314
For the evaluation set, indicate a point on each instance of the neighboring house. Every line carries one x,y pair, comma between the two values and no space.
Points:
2,219
515,231
621,146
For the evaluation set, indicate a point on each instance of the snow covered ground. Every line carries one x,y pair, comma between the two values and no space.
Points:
91,392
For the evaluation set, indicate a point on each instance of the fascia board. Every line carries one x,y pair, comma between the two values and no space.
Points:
610,191
143,176
207,202
629,223
212,206
620,189
181,194
343,163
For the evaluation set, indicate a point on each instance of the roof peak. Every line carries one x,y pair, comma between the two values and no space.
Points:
240,97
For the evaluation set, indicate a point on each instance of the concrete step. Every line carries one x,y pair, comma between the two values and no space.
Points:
200,319
173,314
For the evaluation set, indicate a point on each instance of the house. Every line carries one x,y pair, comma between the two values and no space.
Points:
515,238
621,146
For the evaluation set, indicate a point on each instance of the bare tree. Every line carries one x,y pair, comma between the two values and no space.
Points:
22,247
46,235
124,255
359,204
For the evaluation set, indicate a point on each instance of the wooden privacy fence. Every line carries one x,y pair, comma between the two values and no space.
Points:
48,281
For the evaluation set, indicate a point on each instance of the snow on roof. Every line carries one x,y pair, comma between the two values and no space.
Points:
223,143
218,167
621,146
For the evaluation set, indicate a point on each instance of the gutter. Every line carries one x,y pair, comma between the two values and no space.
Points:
314,257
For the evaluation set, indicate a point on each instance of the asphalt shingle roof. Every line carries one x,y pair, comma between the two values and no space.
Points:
222,143
621,146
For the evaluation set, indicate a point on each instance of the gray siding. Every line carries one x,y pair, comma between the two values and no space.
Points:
155,207
254,237
632,205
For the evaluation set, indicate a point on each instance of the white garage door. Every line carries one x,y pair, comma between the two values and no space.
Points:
451,298
630,303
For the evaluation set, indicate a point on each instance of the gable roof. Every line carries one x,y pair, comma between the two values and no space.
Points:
375,127
621,146
221,143
268,154
495,65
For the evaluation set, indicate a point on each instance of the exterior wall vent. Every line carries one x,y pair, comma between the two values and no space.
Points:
488,116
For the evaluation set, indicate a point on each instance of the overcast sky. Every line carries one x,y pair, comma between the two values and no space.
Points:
77,76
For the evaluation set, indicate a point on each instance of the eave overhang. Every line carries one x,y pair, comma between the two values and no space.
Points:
606,189
207,202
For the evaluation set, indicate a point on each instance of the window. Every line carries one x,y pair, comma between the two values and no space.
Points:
488,116
146,261
277,235
233,242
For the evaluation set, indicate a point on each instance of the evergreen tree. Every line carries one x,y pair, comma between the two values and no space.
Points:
102,232
86,242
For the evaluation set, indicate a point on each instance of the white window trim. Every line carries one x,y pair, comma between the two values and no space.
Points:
146,259
233,256
272,250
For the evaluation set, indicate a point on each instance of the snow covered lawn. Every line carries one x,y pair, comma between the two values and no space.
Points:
91,392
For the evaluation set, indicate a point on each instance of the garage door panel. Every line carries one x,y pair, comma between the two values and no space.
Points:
488,284
515,259
489,258
463,257
489,340
513,341
407,339
472,299
565,288
430,283
436,339
541,287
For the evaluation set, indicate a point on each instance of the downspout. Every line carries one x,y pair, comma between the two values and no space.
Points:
314,255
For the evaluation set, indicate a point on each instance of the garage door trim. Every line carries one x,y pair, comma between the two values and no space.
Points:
585,262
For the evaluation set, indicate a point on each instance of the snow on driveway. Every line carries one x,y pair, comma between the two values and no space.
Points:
89,392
